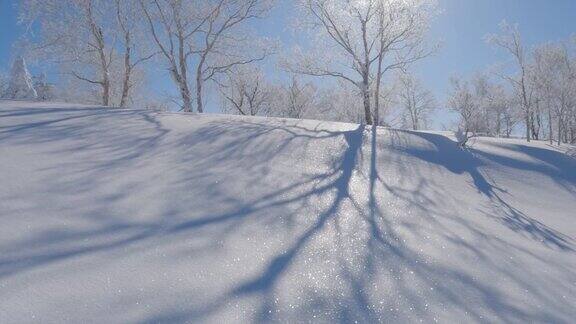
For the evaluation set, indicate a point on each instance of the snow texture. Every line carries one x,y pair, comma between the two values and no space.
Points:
20,85
132,216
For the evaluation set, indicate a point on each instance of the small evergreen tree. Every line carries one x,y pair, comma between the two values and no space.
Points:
20,85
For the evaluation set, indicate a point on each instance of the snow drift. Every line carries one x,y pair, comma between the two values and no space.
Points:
137,216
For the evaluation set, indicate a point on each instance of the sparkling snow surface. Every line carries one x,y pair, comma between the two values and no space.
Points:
127,216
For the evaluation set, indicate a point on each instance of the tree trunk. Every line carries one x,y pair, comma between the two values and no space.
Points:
550,130
377,96
98,35
499,125
536,125
525,102
186,100
527,117
366,76
181,81
559,131
127,73
199,103
199,84
366,96
184,90
104,66
106,92
377,91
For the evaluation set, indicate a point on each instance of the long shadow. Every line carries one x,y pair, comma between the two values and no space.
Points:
246,140
27,126
445,153
557,166
384,247
341,184
88,171
448,155
124,237
336,181
43,111
345,166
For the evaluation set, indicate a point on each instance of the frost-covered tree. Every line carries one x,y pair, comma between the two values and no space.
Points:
463,101
340,103
360,40
174,25
134,50
75,35
498,112
484,107
511,41
401,27
44,89
297,99
501,113
225,42
246,91
204,37
417,102
20,85
555,83
91,41
547,75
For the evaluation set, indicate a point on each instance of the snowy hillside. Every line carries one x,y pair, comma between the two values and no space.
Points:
126,216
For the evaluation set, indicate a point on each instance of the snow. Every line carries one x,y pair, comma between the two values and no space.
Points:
125,216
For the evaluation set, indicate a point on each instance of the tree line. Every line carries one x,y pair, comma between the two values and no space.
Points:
364,50
535,91
102,48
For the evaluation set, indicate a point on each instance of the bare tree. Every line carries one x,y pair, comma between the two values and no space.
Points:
347,24
173,25
493,105
371,36
297,99
128,15
545,66
208,33
463,101
556,82
401,29
338,102
501,111
85,39
246,91
484,107
223,39
77,35
511,41
416,101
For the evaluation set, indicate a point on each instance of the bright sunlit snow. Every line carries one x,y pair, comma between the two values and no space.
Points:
125,216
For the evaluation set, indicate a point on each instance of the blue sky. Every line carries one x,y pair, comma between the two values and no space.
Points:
9,31
460,28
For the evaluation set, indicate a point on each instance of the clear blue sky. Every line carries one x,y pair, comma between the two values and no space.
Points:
461,28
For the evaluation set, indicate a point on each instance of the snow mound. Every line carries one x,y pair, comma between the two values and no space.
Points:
126,216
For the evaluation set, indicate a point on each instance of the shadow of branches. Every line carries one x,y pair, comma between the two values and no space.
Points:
346,223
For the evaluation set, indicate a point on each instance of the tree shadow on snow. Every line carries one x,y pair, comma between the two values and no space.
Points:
379,253
446,154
